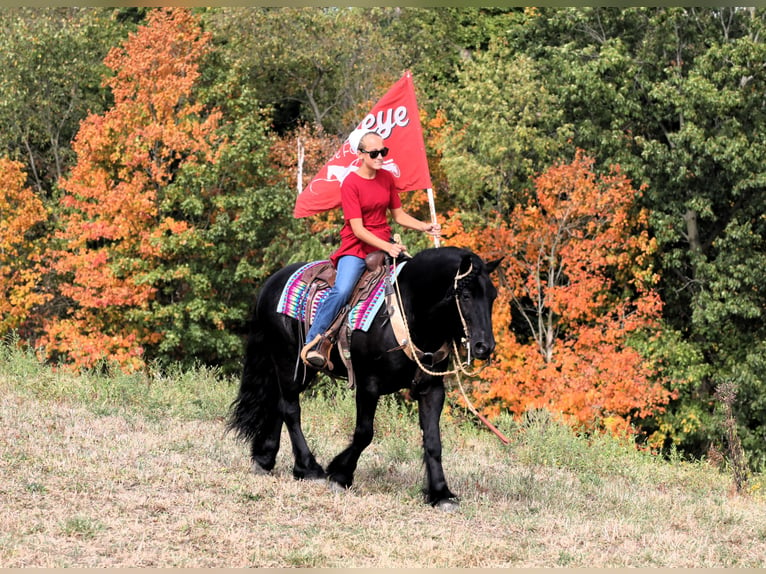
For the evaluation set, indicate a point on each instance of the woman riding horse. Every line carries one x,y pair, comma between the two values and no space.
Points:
445,296
366,195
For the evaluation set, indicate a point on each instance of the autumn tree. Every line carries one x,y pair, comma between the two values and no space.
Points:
113,232
244,231
577,286
20,248
298,156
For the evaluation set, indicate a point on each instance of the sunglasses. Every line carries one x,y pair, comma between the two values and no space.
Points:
375,152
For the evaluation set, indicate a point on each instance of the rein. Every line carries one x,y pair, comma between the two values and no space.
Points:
460,367
415,353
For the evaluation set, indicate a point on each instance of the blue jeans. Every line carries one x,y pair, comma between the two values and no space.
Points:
350,269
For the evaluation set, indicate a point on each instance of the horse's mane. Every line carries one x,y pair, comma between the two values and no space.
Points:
446,261
441,255
432,272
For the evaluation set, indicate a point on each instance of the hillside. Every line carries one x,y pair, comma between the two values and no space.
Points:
118,471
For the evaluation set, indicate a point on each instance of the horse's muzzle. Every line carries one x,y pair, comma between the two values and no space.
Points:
482,350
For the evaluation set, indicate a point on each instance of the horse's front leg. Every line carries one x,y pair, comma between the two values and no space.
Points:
341,469
430,404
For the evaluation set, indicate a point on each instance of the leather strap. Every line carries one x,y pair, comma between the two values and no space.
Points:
402,336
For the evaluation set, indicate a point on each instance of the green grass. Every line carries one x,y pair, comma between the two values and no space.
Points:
201,393
82,527
110,470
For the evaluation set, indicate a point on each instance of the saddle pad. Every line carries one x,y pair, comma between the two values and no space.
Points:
293,302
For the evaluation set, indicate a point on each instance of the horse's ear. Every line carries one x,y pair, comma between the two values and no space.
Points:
492,265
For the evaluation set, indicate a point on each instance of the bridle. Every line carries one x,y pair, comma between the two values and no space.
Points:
415,354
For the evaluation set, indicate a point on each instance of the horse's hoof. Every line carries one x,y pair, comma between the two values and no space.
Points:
314,479
447,505
258,470
336,486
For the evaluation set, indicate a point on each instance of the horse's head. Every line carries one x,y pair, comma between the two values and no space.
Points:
474,296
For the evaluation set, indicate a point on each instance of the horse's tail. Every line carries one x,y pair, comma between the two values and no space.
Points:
251,415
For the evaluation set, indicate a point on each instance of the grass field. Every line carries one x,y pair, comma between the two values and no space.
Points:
137,471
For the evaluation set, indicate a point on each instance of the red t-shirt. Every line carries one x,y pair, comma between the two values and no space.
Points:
370,200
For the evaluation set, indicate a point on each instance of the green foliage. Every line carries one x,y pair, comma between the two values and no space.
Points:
111,227
52,65
208,281
501,130
311,65
750,406
435,42
673,95
706,181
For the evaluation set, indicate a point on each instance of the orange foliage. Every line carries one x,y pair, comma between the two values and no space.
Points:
578,281
20,211
416,202
436,129
112,226
317,147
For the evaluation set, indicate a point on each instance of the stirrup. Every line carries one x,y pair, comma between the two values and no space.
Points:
316,353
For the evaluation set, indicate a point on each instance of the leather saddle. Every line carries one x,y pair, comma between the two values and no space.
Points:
322,277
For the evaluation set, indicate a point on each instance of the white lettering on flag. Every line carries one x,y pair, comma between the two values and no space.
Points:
396,119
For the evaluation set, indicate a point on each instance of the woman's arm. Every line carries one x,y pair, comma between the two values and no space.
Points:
406,220
364,234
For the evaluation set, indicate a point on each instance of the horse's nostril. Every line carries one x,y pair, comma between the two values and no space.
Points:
482,350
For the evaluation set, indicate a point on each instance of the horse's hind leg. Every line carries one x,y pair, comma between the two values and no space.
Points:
306,466
286,410
264,453
291,383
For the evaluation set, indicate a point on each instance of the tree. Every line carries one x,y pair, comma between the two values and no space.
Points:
436,43
578,283
673,96
241,213
708,181
52,62
20,250
113,232
499,131
312,65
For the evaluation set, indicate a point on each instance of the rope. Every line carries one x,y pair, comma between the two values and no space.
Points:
461,367
482,418
414,350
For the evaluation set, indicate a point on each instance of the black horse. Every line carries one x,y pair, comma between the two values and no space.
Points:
447,295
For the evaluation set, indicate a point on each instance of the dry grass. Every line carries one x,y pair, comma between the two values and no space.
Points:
89,486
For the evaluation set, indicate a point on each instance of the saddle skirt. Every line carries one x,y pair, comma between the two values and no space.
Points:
310,284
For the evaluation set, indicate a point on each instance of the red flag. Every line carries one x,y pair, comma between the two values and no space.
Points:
395,118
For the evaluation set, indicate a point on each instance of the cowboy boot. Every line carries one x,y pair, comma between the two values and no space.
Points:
316,353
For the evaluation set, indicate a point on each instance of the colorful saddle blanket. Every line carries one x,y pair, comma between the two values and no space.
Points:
294,299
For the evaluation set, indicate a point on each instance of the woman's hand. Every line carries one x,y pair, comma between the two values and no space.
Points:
433,229
395,249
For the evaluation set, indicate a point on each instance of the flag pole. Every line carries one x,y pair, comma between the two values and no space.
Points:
432,207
